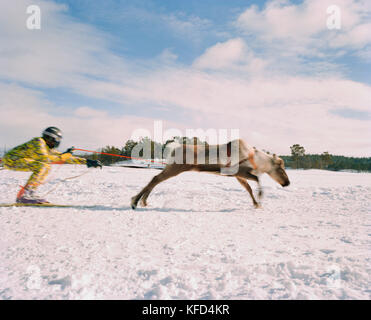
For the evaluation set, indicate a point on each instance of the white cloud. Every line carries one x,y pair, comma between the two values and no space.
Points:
301,28
223,55
272,112
186,25
231,55
356,38
64,52
167,56
25,113
87,112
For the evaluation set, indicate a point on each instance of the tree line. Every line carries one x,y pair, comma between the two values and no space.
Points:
297,160
300,160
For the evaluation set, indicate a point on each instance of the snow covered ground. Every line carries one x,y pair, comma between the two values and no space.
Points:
200,238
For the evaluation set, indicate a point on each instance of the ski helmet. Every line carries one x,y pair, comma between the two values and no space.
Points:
53,135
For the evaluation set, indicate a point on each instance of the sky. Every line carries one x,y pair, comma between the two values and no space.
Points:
107,71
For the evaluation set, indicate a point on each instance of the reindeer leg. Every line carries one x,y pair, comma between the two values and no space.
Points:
246,185
260,194
245,173
168,172
143,200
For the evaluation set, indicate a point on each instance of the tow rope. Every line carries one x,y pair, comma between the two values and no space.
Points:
118,155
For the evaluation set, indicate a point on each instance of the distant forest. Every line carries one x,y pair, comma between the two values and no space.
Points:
297,160
336,163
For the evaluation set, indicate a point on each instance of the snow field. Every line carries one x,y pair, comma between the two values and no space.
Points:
199,238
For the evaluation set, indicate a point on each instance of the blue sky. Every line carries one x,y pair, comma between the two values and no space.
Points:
139,31
272,69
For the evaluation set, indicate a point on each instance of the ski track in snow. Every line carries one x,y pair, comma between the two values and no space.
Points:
199,238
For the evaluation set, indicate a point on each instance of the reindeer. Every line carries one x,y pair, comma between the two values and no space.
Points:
234,159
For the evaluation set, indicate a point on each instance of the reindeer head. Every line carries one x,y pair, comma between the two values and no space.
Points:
277,171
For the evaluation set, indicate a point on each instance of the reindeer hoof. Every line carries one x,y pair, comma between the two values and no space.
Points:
133,203
257,205
143,203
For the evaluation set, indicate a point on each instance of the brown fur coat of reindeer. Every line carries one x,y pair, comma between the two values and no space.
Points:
234,159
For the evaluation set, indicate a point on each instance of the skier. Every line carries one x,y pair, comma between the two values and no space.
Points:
36,156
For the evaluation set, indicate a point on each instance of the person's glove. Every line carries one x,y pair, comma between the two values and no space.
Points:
67,154
93,163
69,150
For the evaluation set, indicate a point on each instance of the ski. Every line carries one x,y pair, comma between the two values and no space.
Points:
47,205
